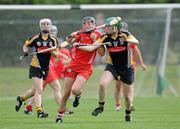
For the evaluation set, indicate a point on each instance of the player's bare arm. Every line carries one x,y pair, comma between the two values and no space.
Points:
139,55
90,47
101,50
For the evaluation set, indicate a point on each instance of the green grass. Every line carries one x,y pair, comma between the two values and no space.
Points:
15,81
151,113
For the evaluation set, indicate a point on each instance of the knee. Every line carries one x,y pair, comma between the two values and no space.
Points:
39,91
102,85
76,91
128,97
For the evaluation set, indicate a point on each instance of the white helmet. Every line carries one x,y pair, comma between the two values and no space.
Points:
45,25
54,30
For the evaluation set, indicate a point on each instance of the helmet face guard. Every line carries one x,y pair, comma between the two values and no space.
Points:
123,26
45,25
88,23
112,25
113,21
88,19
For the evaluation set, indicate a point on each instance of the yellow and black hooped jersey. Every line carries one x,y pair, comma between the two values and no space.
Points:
119,53
39,43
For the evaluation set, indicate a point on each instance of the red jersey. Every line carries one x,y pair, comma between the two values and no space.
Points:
84,57
57,65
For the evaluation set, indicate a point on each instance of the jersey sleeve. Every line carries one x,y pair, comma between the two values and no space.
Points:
132,39
102,39
98,34
95,35
55,39
29,42
129,37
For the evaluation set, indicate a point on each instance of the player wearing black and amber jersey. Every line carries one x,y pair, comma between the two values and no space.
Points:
120,67
38,43
121,64
136,53
118,50
39,65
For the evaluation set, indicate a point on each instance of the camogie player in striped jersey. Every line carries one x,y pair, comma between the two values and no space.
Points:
56,72
135,52
39,66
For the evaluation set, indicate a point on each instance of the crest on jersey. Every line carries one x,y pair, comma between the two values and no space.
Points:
115,43
44,44
50,44
82,38
69,70
121,41
39,43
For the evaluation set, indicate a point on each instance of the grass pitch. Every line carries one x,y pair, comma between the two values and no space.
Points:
151,113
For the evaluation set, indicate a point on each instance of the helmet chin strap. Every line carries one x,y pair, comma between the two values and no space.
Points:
45,31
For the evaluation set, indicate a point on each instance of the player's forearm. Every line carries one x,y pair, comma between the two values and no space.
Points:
90,48
63,55
101,51
25,49
87,48
54,53
139,56
63,44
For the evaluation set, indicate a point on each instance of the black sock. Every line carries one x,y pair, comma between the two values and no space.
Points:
128,112
101,104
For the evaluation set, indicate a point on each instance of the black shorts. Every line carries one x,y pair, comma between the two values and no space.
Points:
37,72
125,75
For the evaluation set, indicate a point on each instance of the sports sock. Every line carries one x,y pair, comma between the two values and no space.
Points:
101,104
28,107
118,104
39,109
61,111
128,112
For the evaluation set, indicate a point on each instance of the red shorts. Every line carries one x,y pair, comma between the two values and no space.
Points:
60,73
75,68
51,77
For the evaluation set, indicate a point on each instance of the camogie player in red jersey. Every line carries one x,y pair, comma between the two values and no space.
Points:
81,65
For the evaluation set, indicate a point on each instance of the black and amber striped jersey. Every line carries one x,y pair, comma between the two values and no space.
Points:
38,43
118,52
